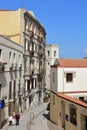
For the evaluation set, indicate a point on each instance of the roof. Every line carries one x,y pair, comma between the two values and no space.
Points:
73,100
31,12
6,10
71,62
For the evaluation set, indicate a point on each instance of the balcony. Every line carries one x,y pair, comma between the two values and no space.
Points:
31,72
31,34
31,53
39,78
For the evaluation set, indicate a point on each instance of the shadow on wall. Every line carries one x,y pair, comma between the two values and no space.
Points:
50,124
3,121
47,116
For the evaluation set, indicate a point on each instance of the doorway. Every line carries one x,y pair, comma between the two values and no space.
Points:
63,113
83,122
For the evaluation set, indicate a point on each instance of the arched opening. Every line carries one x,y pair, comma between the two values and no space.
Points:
73,114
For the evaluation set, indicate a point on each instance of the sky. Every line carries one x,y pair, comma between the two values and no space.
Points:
65,22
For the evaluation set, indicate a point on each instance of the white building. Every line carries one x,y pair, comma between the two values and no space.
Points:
11,78
69,76
52,53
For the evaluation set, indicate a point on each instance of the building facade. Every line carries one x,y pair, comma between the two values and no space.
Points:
11,78
68,98
67,112
28,32
69,76
52,53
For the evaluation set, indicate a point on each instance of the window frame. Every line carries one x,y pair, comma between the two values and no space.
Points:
54,53
69,77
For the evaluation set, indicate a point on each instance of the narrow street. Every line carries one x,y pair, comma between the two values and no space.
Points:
36,119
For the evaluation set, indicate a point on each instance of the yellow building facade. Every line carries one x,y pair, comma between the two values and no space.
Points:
10,24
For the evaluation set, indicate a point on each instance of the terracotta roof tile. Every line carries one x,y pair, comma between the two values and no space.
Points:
73,100
72,62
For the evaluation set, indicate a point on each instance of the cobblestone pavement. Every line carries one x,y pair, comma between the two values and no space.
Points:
35,119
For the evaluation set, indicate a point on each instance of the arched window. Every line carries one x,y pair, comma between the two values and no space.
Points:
73,114
54,53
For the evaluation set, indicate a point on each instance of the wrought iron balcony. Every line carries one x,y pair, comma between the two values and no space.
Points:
31,34
31,72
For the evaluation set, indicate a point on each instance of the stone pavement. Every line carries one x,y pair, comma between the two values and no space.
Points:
42,122
35,119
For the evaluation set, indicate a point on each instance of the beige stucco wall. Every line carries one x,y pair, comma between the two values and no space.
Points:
54,109
11,24
58,112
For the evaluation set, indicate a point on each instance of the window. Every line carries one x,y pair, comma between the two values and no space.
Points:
19,85
26,25
14,57
54,53
10,90
31,47
53,77
0,54
34,47
69,77
73,115
53,99
81,98
19,57
26,45
25,64
48,53
9,56
14,88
